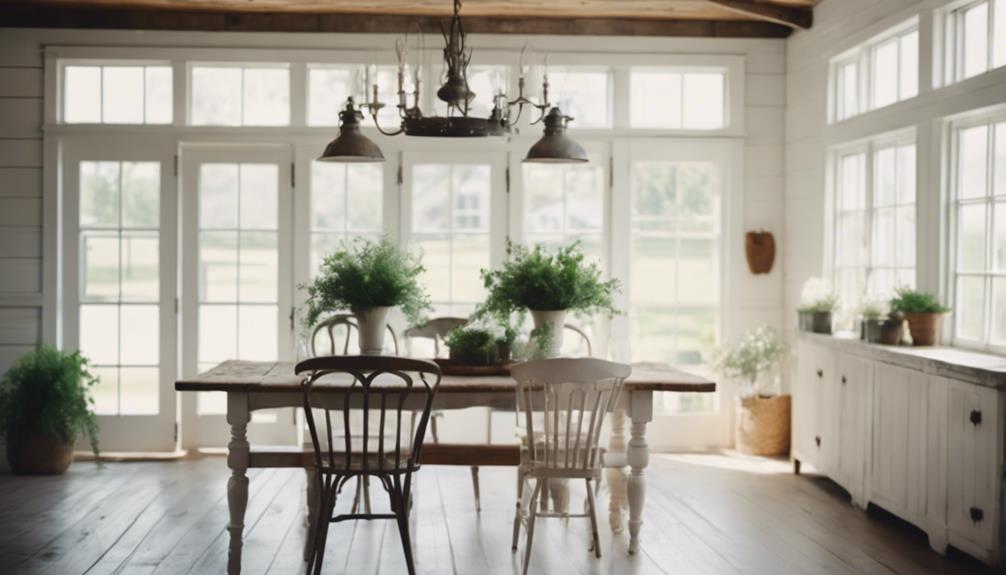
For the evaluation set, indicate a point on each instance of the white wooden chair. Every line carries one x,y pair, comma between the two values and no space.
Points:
389,447
562,404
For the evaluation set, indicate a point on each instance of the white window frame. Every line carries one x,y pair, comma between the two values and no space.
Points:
59,87
950,24
862,55
869,149
953,182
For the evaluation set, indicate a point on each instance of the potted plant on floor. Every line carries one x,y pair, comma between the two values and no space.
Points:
549,284
762,423
45,405
923,311
368,278
818,302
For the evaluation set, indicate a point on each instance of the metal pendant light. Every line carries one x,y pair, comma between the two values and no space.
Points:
351,145
555,147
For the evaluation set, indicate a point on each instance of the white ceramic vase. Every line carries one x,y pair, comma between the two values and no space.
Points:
371,325
556,319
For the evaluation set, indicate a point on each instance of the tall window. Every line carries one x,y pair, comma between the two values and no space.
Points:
346,202
119,283
877,73
674,250
979,280
240,95
116,94
874,221
450,223
975,39
565,203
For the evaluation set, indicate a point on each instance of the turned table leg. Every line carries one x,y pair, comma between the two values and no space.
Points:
237,486
615,462
638,457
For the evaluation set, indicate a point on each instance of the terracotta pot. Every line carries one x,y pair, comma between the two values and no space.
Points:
762,425
40,455
924,327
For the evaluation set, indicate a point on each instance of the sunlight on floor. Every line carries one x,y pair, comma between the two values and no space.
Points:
732,461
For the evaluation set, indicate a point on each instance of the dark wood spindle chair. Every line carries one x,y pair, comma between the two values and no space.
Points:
384,389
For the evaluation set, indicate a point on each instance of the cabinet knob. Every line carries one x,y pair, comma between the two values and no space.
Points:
820,373
976,417
843,380
817,440
976,514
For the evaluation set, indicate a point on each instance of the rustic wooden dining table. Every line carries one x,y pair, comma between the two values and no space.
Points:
252,386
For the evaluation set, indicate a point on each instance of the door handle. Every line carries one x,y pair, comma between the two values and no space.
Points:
976,514
976,417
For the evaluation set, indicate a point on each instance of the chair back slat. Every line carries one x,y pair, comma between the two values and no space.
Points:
348,381
572,392
348,322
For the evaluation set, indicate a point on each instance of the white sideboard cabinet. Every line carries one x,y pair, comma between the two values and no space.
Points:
918,432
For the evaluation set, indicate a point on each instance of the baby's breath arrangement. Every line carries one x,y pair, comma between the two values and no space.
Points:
756,353
818,297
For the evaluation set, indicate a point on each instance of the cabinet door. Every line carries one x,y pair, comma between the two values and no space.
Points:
891,415
804,405
853,375
973,457
824,382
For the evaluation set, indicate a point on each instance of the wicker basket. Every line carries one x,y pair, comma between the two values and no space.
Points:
763,425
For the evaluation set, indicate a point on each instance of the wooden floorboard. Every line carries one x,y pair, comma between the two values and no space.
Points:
707,514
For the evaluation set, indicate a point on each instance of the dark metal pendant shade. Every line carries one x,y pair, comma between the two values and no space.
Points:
351,145
555,147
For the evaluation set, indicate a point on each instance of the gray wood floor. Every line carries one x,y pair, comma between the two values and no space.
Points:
706,514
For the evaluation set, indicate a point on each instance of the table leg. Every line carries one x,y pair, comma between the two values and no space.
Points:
638,456
237,486
614,461
312,511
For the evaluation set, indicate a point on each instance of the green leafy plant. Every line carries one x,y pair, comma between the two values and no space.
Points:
756,353
480,342
540,279
363,274
907,300
47,392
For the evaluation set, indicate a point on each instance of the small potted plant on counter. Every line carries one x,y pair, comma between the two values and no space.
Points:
873,314
549,285
818,302
480,343
762,422
45,405
923,311
368,278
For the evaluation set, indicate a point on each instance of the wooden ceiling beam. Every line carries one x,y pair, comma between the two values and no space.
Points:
49,16
796,17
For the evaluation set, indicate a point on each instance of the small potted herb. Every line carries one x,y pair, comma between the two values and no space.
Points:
923,311
368,278
763,413
817,304
45,405
480,343
873,313
549,284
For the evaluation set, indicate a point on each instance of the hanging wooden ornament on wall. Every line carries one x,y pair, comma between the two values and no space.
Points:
759,247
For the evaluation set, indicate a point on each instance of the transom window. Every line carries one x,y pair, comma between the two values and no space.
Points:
979,279
877,73
583,92
240,95
117,94
670,98
875,215
975,39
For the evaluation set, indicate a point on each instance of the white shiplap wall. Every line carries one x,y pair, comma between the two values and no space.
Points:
27,313
838,26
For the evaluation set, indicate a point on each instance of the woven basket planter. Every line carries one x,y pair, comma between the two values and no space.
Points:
763,425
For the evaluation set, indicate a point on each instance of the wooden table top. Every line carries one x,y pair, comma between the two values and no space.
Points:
267,376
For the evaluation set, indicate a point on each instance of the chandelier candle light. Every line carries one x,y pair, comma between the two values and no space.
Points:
351,145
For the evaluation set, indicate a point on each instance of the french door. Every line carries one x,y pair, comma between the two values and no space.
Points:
119,222
237,277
